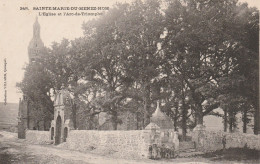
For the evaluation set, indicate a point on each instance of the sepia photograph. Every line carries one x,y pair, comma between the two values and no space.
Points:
129,81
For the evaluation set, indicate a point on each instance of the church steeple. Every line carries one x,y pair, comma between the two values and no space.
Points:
36,43
36,28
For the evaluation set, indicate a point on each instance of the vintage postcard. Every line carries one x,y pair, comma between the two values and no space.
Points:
129,81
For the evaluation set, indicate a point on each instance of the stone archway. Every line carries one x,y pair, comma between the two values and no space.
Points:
58,131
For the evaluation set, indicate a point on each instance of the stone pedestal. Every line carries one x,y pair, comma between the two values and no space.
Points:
198,136
176,143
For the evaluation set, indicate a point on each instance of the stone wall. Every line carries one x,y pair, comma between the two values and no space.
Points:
37,137
133,144
208,141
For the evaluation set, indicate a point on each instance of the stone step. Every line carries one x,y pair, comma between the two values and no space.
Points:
188,150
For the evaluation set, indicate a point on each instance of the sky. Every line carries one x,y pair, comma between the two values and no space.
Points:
16,30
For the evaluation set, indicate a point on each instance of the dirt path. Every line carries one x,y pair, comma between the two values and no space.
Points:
18,151
13,150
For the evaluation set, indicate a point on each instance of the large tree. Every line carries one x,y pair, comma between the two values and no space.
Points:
203,44
103,63
141,29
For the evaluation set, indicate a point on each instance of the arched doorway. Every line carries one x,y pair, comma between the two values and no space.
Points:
65,133
58,131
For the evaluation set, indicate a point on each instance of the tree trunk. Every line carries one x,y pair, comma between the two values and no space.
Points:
74,106
91,119
74,115
175,125
147,104
199,115
175,122
195,120
198,107
44,126
184,123
137,121
256,117
175,116
38,125
230,120
146,119
28,114
114,120
184,116
225,120
244,121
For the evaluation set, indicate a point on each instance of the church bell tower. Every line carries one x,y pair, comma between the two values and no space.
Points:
36,43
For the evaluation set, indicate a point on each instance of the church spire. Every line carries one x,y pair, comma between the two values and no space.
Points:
36,43
36,28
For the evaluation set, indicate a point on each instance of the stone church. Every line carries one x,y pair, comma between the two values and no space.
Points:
34,48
